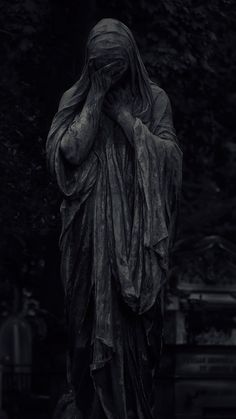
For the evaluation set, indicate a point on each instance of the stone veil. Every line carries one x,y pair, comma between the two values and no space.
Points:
118,223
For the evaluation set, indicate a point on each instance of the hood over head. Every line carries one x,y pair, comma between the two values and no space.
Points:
108,34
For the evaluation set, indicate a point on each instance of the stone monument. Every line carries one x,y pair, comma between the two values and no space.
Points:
113,152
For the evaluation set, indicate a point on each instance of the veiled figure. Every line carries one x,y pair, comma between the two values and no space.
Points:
113,152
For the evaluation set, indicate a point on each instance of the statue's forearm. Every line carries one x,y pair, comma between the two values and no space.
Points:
78,139
126,121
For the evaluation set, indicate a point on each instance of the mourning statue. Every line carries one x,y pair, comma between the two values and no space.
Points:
113,152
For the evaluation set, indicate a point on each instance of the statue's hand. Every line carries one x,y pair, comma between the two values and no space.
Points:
105,77
117,104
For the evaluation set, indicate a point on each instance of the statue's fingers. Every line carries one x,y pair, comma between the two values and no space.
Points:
109,68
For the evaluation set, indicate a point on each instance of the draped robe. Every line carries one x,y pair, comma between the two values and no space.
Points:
118,220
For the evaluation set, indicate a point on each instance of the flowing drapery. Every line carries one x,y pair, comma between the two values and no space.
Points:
118,221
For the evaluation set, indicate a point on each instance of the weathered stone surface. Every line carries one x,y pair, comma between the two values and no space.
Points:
112,149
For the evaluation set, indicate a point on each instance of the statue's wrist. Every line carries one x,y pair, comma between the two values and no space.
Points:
124,115
95,97
97,91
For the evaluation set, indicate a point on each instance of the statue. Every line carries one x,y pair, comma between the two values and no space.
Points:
113,152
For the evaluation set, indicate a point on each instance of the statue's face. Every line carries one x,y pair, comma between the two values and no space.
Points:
103,60
106,52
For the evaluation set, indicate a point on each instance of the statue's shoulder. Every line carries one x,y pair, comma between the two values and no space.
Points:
158,93
161,100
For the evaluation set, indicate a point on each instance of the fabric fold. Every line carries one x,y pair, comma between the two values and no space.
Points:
118,217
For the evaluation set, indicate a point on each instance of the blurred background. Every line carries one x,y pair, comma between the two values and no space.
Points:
188,47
